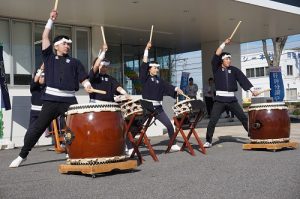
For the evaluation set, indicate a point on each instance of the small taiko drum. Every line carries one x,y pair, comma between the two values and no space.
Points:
269,122
182,107
131,107
95,130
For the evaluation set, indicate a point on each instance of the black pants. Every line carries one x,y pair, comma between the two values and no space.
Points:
209,102
216,112
50,111
163,118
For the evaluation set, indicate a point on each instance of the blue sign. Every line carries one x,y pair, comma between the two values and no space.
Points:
184,82
276,84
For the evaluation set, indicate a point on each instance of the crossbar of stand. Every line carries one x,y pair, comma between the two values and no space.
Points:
143,137
128,124
178,124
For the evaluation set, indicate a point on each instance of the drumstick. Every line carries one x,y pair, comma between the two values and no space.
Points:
98,91
56,4
187,97
237,26
103,35
264,90
151,33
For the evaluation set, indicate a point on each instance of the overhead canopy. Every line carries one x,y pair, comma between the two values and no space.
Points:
178,24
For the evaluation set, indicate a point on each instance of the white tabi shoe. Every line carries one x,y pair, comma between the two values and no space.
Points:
207,145
175,147
16,162
129,152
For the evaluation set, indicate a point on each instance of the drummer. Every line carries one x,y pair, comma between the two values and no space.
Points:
226,77
62,75
101,80
154,88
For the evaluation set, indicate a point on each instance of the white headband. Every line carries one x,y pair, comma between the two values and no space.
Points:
226,56
62,41
154,64
105,63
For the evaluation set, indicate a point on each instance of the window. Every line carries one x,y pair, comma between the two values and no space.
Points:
267,71
82,51
250,72
291,94
289,55
289,69
260,72
38,31
22,52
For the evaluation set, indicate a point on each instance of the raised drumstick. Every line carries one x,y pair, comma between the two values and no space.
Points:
55,5
103,35
151,33
98,91
237,26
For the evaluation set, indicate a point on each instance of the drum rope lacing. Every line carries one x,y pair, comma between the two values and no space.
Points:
182,107
96,161
131,107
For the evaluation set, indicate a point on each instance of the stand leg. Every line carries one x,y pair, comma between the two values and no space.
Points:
199,142
144,137
131,139
186,143
147,143
58,148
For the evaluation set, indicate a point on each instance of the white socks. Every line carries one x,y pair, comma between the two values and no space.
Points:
16,162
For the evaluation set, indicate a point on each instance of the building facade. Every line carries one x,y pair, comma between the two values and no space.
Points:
256,69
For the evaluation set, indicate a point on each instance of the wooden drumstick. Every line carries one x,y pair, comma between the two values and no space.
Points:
98,91
187,97
237,26
262,91
103,35
151,33
55,5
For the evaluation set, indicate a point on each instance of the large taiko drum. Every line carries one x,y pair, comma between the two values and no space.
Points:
269,122
95,130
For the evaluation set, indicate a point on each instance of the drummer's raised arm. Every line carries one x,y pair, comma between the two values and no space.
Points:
146,52
101,56
45,36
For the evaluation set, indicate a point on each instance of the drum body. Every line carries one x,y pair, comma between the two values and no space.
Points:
95,130
269,121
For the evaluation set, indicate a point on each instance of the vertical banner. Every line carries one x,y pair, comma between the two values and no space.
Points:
276,84
184,82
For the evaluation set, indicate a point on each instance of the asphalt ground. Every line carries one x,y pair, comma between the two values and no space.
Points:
226,171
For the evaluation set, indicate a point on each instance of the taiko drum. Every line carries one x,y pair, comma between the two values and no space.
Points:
95,130
269,121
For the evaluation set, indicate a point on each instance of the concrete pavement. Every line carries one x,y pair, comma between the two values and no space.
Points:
226,171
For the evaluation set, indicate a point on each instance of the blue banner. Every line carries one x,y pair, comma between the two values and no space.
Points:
276,84
184,83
